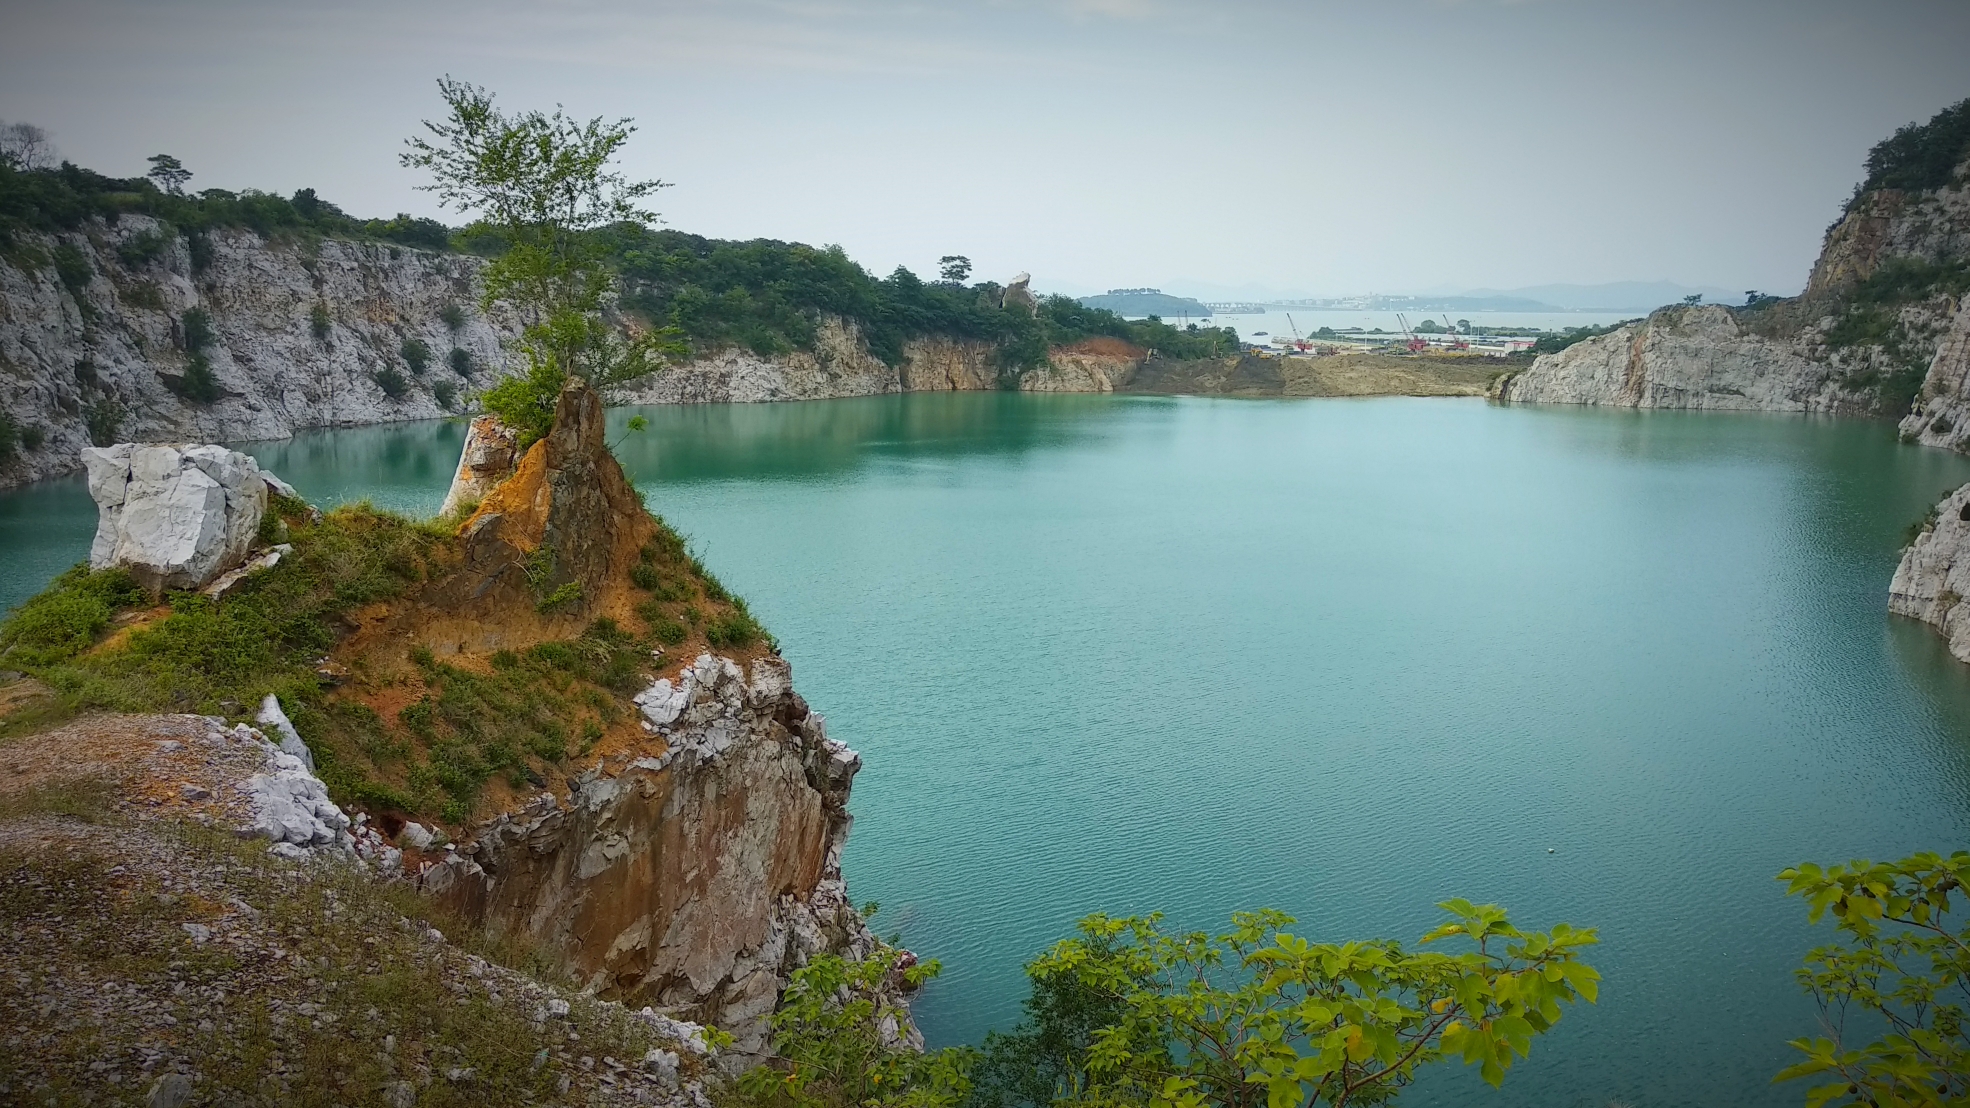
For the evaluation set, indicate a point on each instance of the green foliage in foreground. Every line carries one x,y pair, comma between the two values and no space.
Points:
1127,1013
832,1035
1903,964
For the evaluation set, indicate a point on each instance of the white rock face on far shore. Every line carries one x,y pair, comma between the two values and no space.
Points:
177,516
1680,357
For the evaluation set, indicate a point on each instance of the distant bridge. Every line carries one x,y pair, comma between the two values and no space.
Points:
1234,307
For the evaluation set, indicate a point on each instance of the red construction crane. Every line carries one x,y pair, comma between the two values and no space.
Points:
1299,344
1416,343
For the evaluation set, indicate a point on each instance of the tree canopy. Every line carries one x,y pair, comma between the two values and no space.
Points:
544,184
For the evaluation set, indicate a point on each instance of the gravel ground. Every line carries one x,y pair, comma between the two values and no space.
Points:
149,955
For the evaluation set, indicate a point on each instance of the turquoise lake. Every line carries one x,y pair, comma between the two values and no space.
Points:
1346,658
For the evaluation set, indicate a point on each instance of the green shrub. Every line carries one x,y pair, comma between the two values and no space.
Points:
392,381
196,324
319,321
75,273
103,418
198,383
1554,343
564,594
453,316
733,628
416,355
199,245
33,435
831,1049
143,248
65,618
9,437
461,361
444,392
649,578
662,627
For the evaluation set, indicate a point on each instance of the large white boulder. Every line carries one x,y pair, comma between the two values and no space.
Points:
177,516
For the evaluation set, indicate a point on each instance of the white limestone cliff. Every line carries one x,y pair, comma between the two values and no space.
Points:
1681,357
301,329
1934,575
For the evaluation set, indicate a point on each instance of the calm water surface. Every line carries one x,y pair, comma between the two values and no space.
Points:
1345,658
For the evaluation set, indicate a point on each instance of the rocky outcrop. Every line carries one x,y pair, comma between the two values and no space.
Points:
1018,295
176,516
1699,357
1838,347
93,337
1941,416
491,453
1887,224
692,870
1934,575
694,876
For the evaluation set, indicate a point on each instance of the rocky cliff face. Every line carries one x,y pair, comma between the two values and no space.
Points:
692,867
1683,357
93,339
1850,343
312,332
693,875
1934,575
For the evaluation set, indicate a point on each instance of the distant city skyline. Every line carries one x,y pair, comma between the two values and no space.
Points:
1315,149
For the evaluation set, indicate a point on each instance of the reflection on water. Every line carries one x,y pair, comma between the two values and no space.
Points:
819,438
403,467
1345,658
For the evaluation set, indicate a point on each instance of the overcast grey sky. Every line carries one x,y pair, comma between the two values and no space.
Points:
1398,145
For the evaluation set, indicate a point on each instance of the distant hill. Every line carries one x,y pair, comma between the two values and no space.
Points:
1616,296
1141,302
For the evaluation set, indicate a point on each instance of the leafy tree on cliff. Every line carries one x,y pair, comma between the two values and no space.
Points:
1903,968
169,173
544,184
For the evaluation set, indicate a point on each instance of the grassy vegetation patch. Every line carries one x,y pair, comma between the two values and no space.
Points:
681,590
536,708
321,987
416,734
201,655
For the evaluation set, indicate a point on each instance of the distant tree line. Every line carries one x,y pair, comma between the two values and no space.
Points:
65,197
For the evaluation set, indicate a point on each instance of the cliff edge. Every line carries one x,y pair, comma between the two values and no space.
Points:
547,716
1881,327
